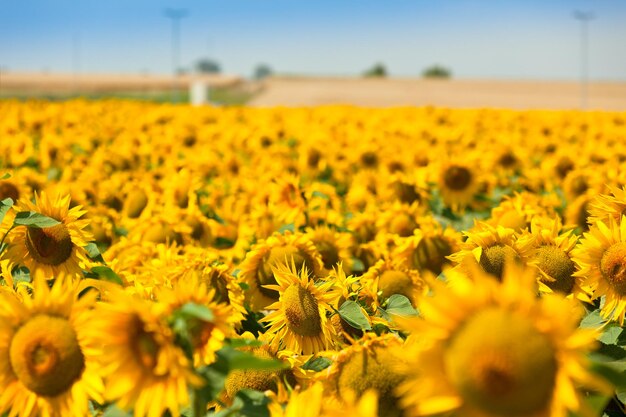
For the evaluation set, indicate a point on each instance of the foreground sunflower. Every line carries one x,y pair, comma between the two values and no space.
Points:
143,369
51,252
601,257
370,364
471,362
300,323
207,337
47,364
313,402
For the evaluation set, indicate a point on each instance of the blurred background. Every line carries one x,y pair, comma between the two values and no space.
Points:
458,53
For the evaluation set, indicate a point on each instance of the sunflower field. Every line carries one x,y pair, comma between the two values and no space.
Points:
165,260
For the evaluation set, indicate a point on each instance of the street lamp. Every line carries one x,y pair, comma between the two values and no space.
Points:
584,18
175,15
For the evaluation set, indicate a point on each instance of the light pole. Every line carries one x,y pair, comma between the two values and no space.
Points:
176,15
584,18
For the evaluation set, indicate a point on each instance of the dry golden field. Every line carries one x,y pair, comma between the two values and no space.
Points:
295,91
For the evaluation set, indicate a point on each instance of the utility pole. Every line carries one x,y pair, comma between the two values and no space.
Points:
175,15
584,18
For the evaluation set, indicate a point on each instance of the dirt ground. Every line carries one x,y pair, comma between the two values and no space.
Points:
295,91
312,91
39,83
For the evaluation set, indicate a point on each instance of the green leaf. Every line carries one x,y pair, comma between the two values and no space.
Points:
287,227
320,194
611,334
317,364
114,411
357,265
20,274
592,320
254,403
5,206
107,274
5,176
34,219
94,253
224,243
612,371
399,305
197,311
351,312
236,359
243,342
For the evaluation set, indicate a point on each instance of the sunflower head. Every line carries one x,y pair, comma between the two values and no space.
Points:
257,269
300,322
46,363
46,358
497,374
53,251
369,365
481,372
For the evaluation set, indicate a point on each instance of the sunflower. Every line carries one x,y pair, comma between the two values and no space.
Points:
143,369
257,267
313,402
549,249
605,206
275,381
13,187
489,247
369,364
458,183
601,257
334,247
51,252
466,348
399,218
207,337
577,213
429,247
386,278
48,364
300,322
287,200
516,212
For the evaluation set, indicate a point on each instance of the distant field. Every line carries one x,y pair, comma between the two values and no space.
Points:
296,91
312,91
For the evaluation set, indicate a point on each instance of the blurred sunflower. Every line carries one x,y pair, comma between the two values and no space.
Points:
458,183
207,337
601,257
369,365
605,206
333,246
314,402
300,322
488,247
386,278
257,269
470,371
48,364
144,370
55,251
429,247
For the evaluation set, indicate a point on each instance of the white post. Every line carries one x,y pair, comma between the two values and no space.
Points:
199,93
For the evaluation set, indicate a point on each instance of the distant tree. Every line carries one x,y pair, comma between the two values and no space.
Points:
208,66
436,71
262,71
378,70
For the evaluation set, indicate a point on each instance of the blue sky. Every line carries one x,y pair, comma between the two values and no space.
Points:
529,39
